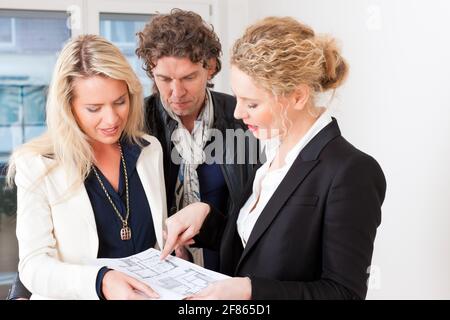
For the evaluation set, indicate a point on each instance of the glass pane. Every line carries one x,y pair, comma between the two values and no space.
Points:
34,32
121,30
33,131
9,102
34,99
6,31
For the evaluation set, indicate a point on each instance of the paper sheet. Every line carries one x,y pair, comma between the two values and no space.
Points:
173,278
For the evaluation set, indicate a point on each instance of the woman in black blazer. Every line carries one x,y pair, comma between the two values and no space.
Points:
307,221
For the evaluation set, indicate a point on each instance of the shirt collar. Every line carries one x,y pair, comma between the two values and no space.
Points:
271,145
321,122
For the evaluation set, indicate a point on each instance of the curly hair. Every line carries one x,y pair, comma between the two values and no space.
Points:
280,53
180,34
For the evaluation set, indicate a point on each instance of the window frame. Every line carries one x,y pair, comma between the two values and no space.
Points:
73,6
207,9
95,8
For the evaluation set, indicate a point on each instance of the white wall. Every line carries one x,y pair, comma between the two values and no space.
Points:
230,21
396,107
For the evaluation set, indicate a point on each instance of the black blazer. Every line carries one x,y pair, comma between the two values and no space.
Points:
314,239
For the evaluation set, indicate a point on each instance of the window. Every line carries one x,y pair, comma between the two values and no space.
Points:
38,36
118,21
29,43
121,30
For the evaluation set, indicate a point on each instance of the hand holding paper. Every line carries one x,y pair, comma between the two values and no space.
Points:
172,278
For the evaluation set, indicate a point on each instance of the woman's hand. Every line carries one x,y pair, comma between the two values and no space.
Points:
119,286
229,289
183,226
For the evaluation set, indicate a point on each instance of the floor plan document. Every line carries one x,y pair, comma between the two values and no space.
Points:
173,278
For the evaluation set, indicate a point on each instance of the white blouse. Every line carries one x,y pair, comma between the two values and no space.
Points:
266,183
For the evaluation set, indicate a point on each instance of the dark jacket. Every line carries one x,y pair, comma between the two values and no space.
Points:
235,170
314,239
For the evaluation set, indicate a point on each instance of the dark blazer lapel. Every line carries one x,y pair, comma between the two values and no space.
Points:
302,166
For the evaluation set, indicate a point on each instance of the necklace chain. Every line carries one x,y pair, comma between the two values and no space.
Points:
125,232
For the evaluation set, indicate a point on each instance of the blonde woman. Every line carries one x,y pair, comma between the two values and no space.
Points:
91,186
307,221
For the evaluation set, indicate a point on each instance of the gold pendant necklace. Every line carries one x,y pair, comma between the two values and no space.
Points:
125,232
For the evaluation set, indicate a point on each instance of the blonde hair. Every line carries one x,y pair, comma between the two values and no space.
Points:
64,141
280,53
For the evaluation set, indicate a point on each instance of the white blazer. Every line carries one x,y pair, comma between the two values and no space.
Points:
58,239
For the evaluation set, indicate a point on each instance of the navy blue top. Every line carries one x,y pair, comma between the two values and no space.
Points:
108,223
213,189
